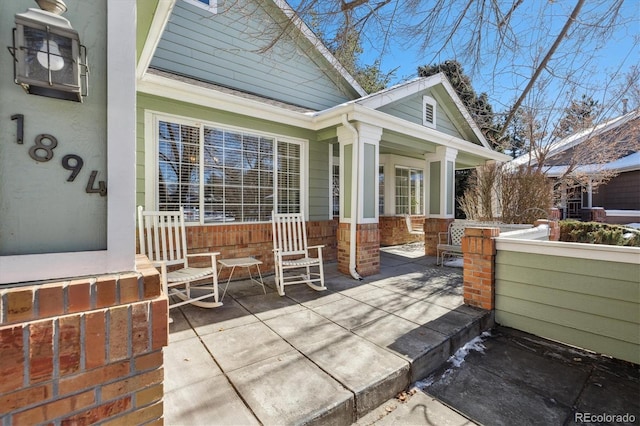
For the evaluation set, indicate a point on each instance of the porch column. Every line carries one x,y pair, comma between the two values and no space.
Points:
441,194
441,188
359,250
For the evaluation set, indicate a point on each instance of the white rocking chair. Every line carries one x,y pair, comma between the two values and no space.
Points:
163,240
290,251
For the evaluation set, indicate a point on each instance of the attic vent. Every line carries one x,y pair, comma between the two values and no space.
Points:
428,111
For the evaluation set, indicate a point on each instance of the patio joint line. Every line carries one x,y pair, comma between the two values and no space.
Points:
219,366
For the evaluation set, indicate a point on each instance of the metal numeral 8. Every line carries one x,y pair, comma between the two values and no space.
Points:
39,147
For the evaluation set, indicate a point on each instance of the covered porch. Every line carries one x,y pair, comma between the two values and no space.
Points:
316,357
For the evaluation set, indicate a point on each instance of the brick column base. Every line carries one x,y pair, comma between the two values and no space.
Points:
367,248
432,227
479,251
554,228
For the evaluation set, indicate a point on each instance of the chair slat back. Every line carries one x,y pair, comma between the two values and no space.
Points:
456,232
289,233
162,236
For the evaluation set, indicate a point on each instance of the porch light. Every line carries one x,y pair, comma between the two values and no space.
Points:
49,59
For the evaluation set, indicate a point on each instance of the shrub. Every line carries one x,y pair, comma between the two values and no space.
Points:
598,233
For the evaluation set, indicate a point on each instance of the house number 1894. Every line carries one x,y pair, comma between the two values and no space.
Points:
42,151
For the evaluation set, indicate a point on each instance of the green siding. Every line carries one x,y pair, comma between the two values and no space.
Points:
410,109
594,304
369,175
231,48
450,184
144,16
347,188
317,160
434,188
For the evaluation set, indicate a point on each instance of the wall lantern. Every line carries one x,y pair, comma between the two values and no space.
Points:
49,59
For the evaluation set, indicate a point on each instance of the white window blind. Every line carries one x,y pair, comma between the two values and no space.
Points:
223,175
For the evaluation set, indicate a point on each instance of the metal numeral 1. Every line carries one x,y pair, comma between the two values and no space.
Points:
20,131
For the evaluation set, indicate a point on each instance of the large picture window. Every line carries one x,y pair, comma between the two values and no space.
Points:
409,190
226,175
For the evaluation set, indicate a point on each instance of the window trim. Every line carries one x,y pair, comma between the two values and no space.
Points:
212,5
428,101
151,196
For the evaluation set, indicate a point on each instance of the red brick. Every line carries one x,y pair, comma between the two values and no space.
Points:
132,384
41,351
128,288
119,327
79,294
160,323
20,305
50,300
69,344
149,416
140,328
93,378
149,395
149,361
100,413
95,349
151,286
52,410
11,358
23,397
105,292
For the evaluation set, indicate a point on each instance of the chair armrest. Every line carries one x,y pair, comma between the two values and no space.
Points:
211,255
204,254
315,247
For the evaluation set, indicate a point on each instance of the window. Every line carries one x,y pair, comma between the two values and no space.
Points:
210,5
429,111
335,187
223,175
409,190
381,190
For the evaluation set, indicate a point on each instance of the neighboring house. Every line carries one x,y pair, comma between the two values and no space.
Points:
609,151
242,110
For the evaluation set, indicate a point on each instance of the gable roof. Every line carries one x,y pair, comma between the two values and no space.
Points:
417,85
162,11
563,146
318,44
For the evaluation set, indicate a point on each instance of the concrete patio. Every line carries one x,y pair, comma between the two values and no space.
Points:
316,357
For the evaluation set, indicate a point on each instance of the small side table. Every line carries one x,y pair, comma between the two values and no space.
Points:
246,262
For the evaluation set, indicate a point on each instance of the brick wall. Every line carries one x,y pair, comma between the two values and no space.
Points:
367,248
393,230
255,240
479,251
83,351
432,227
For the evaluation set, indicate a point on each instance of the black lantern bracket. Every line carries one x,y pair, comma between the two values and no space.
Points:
48,57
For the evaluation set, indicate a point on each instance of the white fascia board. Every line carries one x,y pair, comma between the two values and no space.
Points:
158,24
397,92
317,43
395,124
572,250
180,91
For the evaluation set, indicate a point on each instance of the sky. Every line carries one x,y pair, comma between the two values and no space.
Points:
537,22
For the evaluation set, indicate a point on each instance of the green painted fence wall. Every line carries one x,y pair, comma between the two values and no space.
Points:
590,303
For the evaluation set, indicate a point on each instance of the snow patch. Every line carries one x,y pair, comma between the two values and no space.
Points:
456,360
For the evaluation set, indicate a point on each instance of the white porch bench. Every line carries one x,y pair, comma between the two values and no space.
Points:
450,242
